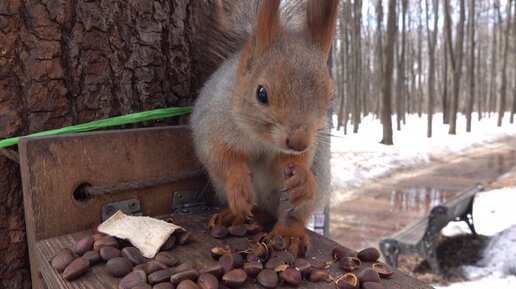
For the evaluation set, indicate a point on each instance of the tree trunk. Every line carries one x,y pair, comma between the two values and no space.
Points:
456,55
492,88
513,110
379,55
471,63
387,76
432,40
420,63
70,62
400,79
357,64
446,109
503,87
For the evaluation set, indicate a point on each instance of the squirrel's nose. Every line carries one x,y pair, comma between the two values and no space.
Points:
297,140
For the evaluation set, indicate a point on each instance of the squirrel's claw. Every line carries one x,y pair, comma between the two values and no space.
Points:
291,235
300,186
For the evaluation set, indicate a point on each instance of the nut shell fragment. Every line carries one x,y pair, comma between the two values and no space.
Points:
383,270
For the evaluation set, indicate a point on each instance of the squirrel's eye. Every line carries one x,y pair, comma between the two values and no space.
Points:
261,95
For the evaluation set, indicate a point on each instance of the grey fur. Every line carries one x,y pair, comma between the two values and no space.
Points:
214,122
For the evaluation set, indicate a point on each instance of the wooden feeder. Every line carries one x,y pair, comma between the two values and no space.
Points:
72,182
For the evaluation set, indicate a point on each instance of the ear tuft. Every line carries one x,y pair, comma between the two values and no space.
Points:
267,23
321,16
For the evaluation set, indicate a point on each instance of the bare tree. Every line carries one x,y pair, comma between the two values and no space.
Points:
503,87
432,39
400,78
471,63
420,62
513,110
456,55
492,83
387,75
379,52
357,63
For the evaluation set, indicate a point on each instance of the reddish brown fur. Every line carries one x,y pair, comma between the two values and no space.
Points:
291,65
267,23
232,168
321,17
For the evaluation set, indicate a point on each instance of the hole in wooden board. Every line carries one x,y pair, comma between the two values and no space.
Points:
81,195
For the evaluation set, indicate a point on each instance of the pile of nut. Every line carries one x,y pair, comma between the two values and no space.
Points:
366,277
269,265
124,260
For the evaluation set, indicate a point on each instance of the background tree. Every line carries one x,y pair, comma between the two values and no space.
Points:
503,87
456,55
70,62
400,79
357,63
513,109
471,63
432,41
387,75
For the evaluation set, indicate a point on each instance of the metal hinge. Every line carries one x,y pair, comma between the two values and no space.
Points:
189,203
129,207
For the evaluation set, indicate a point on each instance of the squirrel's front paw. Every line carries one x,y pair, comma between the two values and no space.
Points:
299,187
240,195
290,235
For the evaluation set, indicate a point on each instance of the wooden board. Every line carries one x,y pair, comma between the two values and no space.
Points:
53,167
198,250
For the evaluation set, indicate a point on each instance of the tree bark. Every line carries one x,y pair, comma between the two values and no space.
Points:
357,64
387,75
456,55
70,62
432,40
503,87
445,97
420,100
492,89
513,110
379,54
471,63
400,79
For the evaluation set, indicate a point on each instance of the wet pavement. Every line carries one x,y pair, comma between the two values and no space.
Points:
381,207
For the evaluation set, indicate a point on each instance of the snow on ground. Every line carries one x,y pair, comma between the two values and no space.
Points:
497,269
357,158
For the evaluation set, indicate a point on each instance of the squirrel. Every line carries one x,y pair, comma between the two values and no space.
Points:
260,123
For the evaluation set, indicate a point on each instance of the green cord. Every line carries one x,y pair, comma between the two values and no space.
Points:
98,124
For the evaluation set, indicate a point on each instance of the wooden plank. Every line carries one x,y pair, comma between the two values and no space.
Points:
198,250
53,167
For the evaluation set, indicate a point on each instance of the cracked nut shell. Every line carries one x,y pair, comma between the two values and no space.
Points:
383,270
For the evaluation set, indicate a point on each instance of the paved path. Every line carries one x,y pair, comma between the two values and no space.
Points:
382,207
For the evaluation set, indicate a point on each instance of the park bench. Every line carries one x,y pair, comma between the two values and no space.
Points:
420,237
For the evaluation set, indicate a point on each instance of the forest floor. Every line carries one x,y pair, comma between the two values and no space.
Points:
399,185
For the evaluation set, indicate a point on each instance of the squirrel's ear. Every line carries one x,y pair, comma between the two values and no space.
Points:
267,23
320,22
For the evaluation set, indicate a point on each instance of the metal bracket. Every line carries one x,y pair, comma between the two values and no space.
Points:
128,207
189,203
